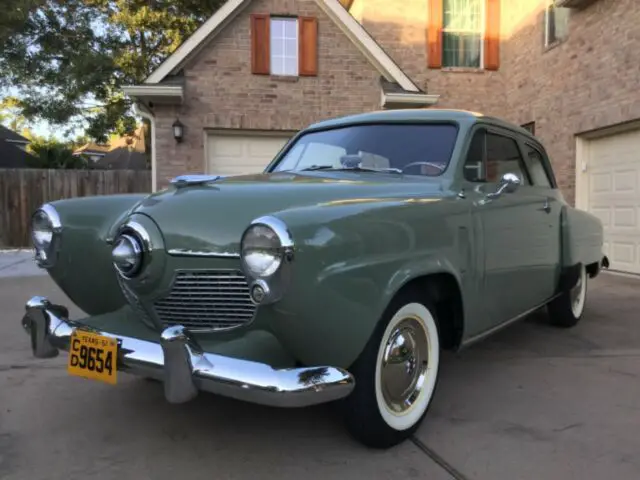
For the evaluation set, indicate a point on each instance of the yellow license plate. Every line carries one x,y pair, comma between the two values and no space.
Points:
93,356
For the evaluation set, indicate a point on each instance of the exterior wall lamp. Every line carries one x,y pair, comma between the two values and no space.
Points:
178,130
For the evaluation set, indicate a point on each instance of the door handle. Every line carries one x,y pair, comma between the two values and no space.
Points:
546,207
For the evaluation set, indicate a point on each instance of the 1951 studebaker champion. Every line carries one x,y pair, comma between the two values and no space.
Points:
369,244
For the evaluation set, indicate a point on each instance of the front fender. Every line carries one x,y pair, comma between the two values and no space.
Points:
83,267
349,265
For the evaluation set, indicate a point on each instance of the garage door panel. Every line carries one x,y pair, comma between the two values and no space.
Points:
241,153
613,179
626,181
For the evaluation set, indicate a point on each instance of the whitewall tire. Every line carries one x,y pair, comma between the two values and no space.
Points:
566,310
396,374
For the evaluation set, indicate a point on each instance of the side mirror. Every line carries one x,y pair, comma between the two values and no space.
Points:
508,184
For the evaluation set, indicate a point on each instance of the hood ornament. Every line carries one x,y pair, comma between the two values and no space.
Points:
190,180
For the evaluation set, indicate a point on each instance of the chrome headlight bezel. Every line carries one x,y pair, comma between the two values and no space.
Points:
131,243
46,250
140,241
272,280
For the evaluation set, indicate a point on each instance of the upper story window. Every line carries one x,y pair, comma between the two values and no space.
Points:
462,33
284,45
556,23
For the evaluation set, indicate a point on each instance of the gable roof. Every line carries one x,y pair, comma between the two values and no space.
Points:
11,136
12,156
389,70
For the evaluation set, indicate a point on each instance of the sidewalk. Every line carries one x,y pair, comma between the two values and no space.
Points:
18,263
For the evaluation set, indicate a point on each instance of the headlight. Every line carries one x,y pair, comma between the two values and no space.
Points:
127,255
45,226
265,245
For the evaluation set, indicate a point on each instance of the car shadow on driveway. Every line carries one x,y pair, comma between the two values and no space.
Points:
532,402
538,402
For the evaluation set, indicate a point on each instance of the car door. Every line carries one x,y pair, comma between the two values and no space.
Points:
545,265
508,218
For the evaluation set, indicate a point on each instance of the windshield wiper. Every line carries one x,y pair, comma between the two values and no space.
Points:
318,167
355,169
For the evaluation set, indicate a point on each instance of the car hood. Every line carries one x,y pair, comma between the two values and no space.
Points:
211,217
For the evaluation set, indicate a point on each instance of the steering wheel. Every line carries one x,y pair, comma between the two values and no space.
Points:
440,168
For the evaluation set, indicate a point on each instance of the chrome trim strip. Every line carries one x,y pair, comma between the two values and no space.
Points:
185,252
185,368
470,341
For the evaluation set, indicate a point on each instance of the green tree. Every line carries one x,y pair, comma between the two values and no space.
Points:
11,114
51,153
69,58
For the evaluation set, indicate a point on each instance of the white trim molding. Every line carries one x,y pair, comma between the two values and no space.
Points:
143,112
343,19
408,100
167,91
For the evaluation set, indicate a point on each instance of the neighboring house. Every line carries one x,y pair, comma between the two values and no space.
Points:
92,151
13,149
259,70
125,152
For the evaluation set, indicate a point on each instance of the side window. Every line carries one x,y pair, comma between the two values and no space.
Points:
474,164
535,166
503,156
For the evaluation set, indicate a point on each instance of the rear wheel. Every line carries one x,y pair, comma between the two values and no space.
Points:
566,310
396,375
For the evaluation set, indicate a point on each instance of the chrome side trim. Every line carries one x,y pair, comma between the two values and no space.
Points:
188,180
185,368
492,330
185,252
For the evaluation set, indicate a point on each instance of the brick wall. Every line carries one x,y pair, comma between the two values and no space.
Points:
589,81
221,92
400,27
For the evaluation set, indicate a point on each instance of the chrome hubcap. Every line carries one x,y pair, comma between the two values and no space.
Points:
404,365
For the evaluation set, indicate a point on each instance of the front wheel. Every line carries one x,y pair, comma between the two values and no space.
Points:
396,375
566,310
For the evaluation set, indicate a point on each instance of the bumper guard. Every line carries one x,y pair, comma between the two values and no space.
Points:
185,368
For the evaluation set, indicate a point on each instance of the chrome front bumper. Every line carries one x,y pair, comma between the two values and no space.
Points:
185,368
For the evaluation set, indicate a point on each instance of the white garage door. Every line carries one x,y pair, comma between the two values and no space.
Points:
613,194
237,154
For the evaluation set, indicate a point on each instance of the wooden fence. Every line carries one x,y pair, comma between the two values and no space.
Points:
24,190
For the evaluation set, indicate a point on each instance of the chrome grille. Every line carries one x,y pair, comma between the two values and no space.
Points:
207,300
137,307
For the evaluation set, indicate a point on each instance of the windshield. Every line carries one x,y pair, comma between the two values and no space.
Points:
415,149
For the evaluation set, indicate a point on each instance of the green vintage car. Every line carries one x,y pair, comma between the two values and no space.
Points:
367,246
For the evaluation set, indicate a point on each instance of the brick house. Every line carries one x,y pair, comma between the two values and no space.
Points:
259,70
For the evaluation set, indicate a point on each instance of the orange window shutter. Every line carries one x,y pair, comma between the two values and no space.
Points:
492,36
308,46
260,54
434,34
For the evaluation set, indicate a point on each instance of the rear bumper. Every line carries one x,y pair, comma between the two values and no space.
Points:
185,368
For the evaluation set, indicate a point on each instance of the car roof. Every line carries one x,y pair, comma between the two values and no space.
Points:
420,115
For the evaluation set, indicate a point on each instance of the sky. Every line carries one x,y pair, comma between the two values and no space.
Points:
42,128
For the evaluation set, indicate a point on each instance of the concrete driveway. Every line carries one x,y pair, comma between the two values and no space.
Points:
532,403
